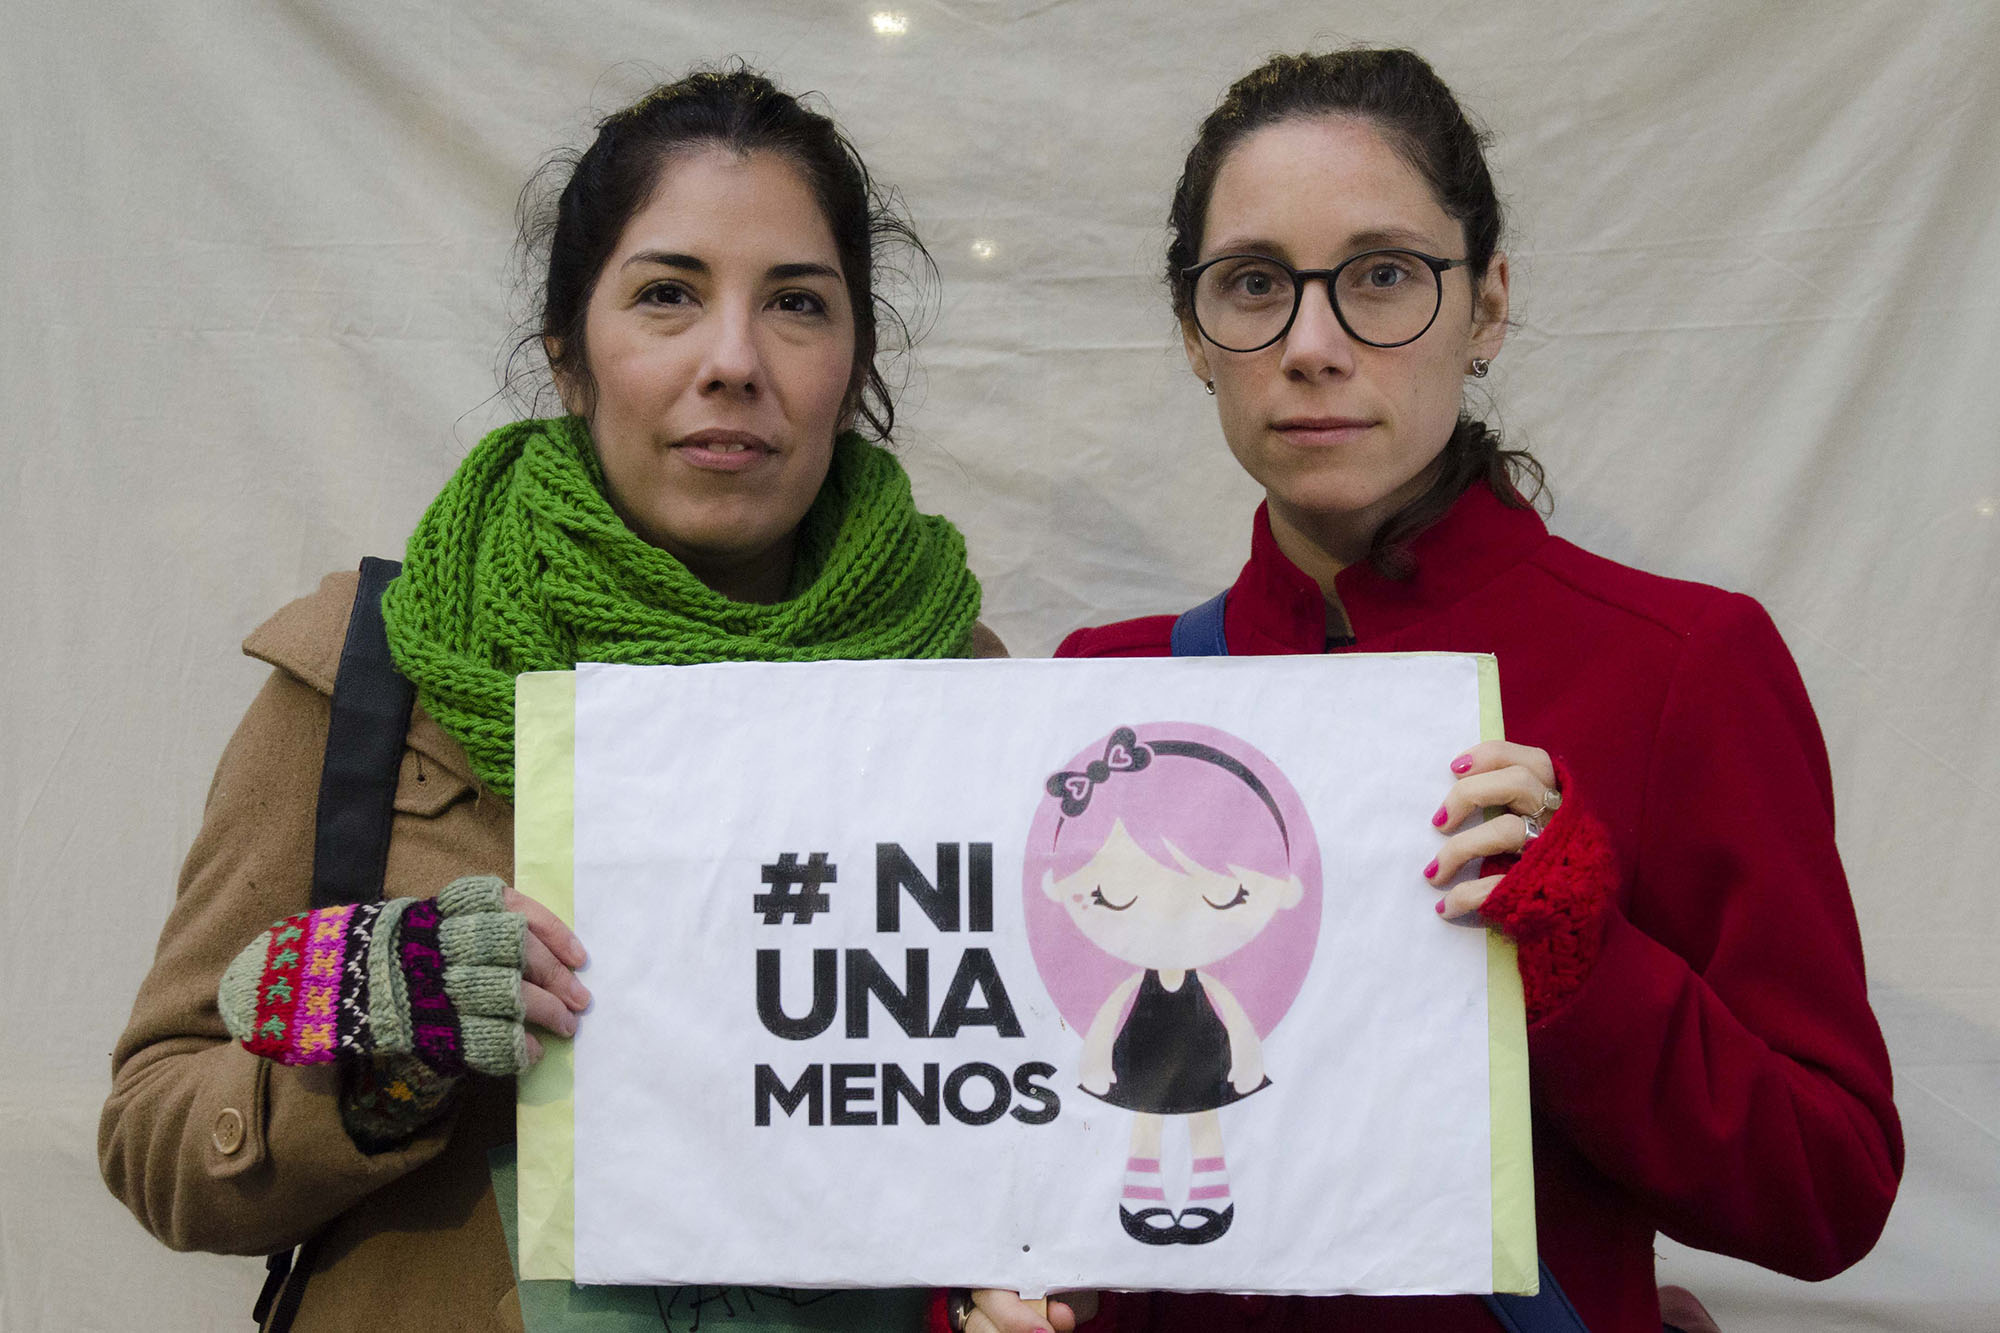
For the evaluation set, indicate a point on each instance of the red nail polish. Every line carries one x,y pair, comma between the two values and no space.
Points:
1437,820
1440,907
1462,764
1430,871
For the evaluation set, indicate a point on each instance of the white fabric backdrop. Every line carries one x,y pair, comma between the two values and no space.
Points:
255,289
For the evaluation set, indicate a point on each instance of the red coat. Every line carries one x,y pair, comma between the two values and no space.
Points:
1719,1076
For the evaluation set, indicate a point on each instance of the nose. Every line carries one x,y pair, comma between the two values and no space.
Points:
1317,344
732,362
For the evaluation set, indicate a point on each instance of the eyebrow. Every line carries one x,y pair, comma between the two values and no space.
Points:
803,270
777,272
1357,243
1395,236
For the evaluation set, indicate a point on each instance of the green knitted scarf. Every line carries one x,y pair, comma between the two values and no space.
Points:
521,564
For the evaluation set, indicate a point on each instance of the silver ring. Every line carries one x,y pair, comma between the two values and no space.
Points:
1537,820
958,1308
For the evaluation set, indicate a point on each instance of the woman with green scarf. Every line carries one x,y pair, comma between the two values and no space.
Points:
709,317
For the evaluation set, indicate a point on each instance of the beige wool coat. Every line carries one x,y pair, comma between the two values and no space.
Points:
215,1149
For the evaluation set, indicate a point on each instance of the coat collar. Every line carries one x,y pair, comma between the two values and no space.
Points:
1275,608
304,640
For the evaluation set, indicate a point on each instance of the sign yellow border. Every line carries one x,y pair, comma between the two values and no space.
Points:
1515,1267
544,869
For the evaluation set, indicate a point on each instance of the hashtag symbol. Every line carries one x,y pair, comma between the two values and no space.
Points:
795,888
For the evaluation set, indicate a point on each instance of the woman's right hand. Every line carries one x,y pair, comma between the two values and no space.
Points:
995,1311
550,993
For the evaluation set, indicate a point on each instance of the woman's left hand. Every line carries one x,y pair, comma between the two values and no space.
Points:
1005,1312
1492,774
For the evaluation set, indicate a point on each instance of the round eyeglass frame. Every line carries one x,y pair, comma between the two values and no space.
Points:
1300,276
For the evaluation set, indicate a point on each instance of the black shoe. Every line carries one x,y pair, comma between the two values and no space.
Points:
1208,1224
1153,1226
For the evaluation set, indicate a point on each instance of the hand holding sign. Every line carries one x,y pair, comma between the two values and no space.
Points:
550,992
1518,778
1005,1312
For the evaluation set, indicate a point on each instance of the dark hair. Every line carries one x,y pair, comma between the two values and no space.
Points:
1397,93
734,107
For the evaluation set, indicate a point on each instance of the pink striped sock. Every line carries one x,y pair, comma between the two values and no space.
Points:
1142,1180
1210,1183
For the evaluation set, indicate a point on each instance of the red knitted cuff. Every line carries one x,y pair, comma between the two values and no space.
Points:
937,1319
1551,904
298,994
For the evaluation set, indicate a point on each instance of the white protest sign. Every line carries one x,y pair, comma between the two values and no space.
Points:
1038,974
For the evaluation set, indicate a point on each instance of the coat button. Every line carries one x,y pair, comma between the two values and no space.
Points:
228,1134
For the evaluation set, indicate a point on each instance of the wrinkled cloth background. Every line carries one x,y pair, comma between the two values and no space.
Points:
256,286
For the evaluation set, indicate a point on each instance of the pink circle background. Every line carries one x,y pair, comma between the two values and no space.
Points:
1264,975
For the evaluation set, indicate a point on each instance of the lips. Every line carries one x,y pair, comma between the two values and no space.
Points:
1322,430
723,450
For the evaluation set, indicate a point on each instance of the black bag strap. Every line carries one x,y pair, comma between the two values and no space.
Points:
357,806
280,1299
277,1268
364,753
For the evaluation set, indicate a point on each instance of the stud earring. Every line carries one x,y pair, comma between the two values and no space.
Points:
1480,365
1210,386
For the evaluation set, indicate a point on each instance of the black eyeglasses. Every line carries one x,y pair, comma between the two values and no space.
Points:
1385,298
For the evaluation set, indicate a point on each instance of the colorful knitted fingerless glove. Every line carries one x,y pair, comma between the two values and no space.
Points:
434,979
1551,904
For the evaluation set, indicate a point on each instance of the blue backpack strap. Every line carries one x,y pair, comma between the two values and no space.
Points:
1547,1311
1198,633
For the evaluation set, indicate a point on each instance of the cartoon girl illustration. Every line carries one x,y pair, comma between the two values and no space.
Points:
1171,848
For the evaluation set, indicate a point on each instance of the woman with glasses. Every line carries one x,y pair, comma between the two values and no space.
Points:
1703,1058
